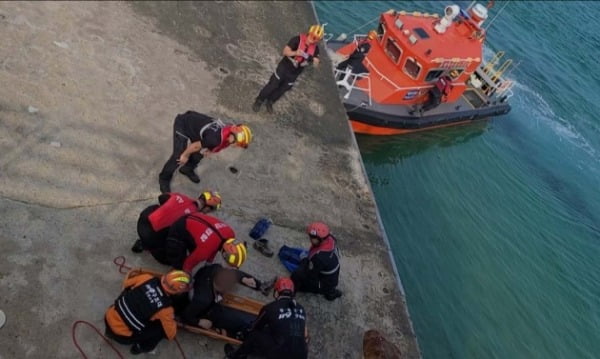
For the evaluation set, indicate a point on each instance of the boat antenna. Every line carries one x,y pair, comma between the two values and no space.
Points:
499,12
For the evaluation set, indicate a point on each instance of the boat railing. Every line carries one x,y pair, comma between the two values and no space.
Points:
348,80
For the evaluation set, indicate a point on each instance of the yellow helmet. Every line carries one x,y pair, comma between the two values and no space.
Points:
318,31
242,134
211,199
176,282
234,254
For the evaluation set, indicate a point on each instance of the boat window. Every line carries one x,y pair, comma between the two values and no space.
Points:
433,75
454,73
381,29
421,32
392,50
412,68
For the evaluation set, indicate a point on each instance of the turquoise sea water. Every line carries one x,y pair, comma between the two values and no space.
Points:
495,227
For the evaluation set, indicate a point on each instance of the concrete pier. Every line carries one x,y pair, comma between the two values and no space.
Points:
88,97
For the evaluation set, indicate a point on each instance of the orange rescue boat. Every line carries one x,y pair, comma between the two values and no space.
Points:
418,71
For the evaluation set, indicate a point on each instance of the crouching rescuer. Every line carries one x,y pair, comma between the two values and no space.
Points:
279,331
143,314
320,271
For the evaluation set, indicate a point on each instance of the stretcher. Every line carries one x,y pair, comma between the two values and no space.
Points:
233,301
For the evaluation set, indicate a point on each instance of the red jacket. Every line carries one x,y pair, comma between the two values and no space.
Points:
195,238
174,208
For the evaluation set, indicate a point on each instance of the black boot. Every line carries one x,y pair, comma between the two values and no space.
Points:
257,103
333,295
138,247
269,106
165,186
189,173
137,349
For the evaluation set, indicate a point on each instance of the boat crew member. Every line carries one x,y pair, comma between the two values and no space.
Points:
358,55
279,331
154,221
143,314
198,237
204,310
320,271
438,93
194,135
299,52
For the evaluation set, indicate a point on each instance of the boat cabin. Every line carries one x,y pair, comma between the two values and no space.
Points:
413,50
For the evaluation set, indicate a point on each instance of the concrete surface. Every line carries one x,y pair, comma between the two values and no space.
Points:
89,93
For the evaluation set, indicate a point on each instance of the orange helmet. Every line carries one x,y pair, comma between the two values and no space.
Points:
284,286
242,134
318,229
234,253
318,31
211,199
176,282
372,35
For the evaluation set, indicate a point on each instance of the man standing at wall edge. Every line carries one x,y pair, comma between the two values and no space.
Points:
299,52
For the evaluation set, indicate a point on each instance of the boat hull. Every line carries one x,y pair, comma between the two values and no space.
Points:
372,122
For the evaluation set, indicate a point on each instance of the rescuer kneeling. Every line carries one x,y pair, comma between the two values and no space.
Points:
143,314
320,271
279,331
154,221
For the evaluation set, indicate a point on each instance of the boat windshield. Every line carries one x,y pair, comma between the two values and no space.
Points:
392,50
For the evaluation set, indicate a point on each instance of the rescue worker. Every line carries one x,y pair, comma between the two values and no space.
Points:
194,136
279,331
319,272
143,314
204,310
437,94
198,237
154,221
355,59
300,51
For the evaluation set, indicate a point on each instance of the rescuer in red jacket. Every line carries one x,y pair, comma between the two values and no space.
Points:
198,237
154,221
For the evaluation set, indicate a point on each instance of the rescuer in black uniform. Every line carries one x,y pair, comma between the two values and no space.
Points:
194,135
204,310
320,271
143,314
279,331
299,52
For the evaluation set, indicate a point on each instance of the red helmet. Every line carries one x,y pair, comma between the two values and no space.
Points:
284,286
318,229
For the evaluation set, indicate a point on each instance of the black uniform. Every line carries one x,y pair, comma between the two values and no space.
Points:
186,129
277,333
150,238
205,303
319,273
135,307
355,59
285,75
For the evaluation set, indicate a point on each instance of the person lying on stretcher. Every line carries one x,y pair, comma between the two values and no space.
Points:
203,308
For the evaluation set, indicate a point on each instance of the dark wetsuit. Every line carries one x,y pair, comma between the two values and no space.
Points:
285,75
319,273
204,304
186,129
279,332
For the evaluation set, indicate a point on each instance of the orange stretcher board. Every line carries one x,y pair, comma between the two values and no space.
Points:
243,304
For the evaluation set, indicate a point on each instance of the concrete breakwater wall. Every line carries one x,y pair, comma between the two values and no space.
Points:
89,94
